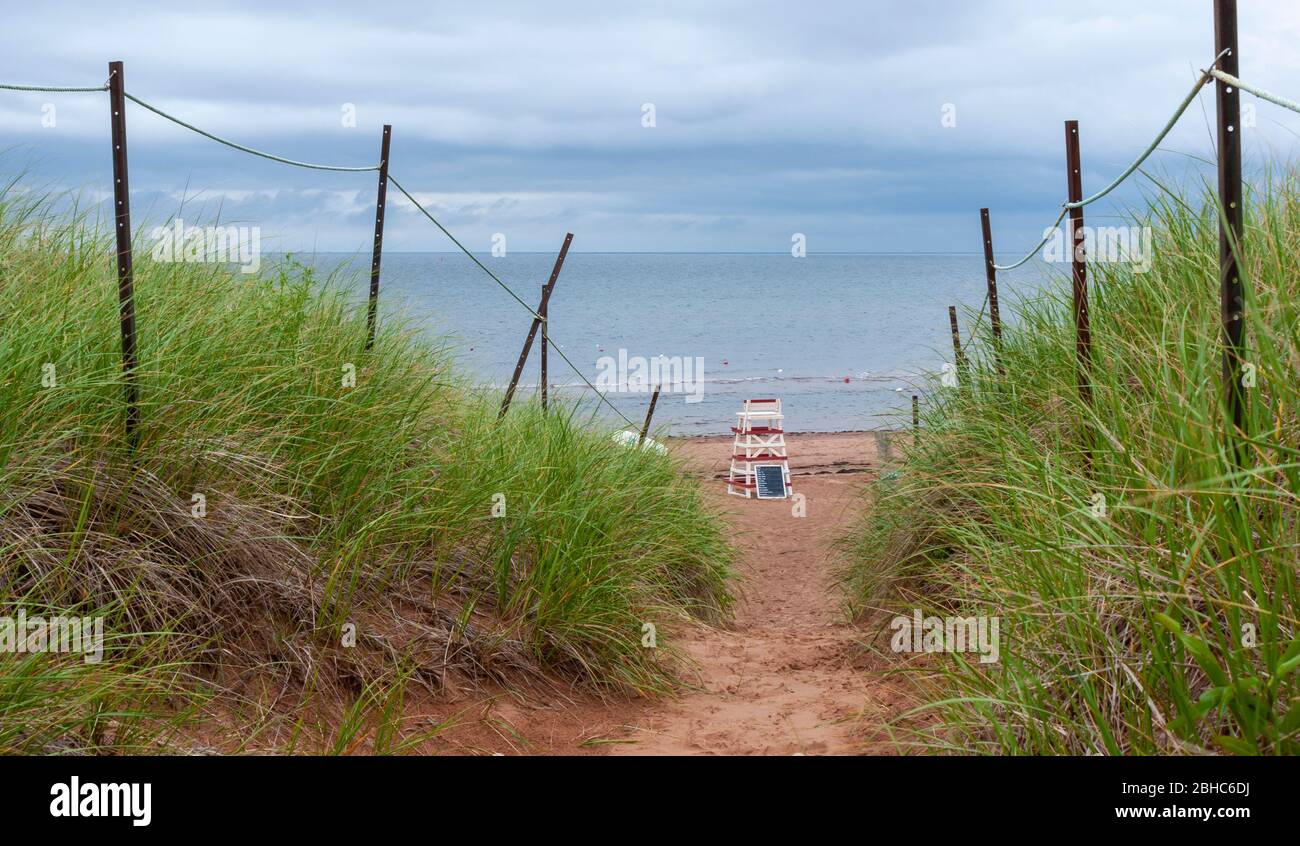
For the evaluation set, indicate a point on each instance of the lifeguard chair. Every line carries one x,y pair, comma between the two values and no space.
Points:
758,446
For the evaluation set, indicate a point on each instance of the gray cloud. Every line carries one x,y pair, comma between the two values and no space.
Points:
525,118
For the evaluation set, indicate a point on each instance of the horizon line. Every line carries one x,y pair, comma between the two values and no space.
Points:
649,252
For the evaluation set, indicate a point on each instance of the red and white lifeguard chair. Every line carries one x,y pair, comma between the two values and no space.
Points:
759,443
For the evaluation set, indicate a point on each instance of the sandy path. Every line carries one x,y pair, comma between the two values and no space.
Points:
788,677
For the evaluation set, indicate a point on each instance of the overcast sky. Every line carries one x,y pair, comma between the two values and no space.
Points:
525,118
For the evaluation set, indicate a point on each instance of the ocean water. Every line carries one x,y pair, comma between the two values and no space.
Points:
844,340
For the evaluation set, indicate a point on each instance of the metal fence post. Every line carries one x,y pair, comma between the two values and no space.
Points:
645,428
544,311
125,271
1078,263
1232,304
532,330
959,357
991,278
373,306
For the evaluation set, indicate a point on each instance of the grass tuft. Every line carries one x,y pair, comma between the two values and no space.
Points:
282,535
1148,601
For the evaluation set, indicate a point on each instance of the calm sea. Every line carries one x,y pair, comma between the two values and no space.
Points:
843,340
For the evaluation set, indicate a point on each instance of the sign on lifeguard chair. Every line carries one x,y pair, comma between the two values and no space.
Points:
760,465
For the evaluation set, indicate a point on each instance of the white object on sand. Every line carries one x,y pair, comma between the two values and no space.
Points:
629,438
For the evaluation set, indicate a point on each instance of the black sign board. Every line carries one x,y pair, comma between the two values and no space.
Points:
770,481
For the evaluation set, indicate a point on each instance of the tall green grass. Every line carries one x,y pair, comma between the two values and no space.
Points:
1147,604
331,512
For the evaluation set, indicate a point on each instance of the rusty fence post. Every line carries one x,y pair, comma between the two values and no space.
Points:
916,419
544,311
1232,304
1078,264
959,357
372,307
991,278
125,271
537,321
645,428
1076,238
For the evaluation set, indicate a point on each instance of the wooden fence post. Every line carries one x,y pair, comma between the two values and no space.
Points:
532,330
373,306
991,278
916,419
125,272
1232,304
645,428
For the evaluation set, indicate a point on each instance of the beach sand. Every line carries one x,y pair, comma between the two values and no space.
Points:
788,676
811,454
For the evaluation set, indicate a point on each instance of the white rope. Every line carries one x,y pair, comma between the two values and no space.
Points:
1047,236
241,147
1115,183
1229,79
65,89
191,127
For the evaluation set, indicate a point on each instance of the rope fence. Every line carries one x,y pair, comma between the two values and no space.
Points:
1223,70
462,247
1127,172
115,87
192,128
1276,100
61,89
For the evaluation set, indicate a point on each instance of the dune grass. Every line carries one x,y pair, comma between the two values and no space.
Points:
281,528
1147,604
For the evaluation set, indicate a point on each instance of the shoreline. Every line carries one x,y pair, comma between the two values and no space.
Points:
816,432
811,453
